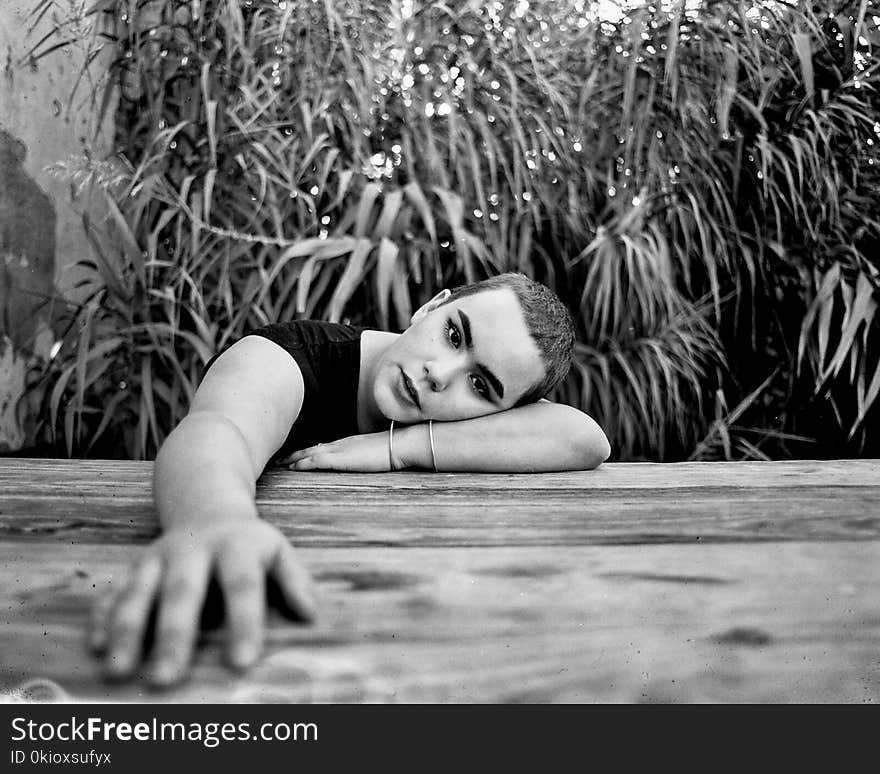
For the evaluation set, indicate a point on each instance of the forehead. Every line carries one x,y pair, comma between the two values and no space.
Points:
502,342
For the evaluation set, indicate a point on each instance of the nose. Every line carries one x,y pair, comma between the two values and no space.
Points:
440,373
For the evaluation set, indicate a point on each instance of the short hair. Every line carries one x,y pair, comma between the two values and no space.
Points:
547,321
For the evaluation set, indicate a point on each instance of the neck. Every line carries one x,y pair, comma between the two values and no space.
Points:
373,346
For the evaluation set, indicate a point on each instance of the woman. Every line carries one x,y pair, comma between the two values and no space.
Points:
464,383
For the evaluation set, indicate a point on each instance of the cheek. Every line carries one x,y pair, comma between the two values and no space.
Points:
381,390
460,403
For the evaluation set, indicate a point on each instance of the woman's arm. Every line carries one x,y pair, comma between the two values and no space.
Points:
539,437
204,485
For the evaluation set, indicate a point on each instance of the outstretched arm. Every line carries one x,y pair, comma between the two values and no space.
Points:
539,437
204,484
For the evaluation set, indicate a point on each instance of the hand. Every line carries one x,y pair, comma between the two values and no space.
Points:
173,577
363,453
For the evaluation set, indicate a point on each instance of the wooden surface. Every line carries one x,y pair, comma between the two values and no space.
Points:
699,582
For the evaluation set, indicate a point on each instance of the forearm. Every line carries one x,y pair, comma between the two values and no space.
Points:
539,437
204,472
204,486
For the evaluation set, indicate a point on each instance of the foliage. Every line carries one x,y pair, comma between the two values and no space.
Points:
698,183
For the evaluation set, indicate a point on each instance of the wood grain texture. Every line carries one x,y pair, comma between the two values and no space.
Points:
616,504
786,622
703,582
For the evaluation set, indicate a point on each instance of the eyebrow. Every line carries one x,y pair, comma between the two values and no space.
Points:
469,343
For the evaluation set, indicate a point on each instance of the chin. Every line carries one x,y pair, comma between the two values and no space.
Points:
387,404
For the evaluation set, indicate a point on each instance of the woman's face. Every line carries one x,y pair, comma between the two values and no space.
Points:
466,358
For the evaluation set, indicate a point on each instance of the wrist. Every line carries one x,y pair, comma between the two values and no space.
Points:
234,507
411,447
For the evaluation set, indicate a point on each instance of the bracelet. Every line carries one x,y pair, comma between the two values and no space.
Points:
431,438
391,446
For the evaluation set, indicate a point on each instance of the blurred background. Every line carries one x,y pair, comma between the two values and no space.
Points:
698,181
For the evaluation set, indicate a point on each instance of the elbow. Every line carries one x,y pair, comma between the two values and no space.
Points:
574,439
594,454
591,447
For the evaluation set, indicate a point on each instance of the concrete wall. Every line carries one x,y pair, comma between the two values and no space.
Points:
41,234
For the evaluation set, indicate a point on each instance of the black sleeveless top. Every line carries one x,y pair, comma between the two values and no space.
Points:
328,355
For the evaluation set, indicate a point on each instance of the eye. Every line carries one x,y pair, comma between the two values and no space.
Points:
479,385
453,334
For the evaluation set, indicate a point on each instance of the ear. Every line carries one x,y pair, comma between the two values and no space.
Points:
430,306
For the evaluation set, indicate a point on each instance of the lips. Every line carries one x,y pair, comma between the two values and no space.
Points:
409,389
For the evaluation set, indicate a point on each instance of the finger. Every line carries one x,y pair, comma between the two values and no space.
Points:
100,616
300,455
304,463
182,596
309,451
294,582
128,618
243,581
319,460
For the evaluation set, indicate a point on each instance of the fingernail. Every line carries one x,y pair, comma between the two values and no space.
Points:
164,673
244,654
119,662
309,605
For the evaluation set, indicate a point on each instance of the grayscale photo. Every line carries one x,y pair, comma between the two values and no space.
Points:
357,352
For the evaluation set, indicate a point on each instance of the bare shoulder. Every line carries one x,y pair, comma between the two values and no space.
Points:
256,384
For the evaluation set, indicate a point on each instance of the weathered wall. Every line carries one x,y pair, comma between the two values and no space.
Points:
40,230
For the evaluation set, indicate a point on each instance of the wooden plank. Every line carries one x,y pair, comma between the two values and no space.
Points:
464,519
766,622
617,504
74,477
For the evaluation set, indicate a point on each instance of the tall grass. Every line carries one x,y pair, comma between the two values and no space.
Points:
699,184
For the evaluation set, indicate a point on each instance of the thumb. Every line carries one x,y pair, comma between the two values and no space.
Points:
297,597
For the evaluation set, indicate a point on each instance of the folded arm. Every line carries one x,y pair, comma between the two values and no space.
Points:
539,437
